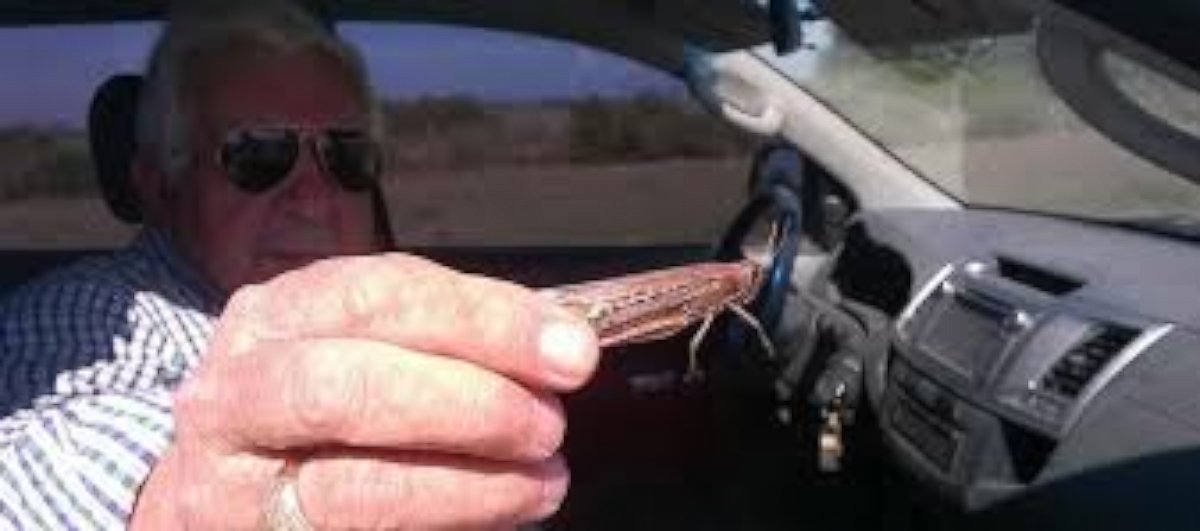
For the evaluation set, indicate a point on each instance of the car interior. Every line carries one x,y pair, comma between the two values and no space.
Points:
939,363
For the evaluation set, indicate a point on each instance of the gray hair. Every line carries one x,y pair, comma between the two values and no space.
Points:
201,33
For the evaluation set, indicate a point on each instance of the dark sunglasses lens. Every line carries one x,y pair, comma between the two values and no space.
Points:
258,160
352,158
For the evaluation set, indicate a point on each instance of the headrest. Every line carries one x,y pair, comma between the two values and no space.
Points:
111,130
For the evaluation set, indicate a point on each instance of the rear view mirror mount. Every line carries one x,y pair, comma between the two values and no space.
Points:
787,25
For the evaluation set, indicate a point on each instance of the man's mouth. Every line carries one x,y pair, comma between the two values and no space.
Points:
297,248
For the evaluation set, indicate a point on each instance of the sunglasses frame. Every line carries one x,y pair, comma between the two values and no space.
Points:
315,140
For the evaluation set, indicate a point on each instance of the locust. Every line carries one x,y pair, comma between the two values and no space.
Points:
658,304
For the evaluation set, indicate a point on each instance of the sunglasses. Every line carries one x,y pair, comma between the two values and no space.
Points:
259,158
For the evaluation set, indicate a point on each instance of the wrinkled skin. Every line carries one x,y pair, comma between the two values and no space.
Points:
416,396
402,394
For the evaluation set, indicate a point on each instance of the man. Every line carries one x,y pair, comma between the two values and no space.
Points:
220,374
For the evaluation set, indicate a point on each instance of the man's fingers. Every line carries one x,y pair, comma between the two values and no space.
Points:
427,492
371,394
365,489
411,302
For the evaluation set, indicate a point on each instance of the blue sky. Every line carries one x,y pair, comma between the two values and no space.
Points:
49,73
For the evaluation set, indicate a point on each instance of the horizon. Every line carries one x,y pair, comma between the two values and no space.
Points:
59,67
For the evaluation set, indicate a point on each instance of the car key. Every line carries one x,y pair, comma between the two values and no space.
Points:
830,445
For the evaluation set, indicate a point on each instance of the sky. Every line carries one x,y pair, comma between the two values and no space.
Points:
47,74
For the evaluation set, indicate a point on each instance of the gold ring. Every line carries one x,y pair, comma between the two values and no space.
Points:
283,507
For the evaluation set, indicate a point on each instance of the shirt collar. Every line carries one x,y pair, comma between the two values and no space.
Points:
158,245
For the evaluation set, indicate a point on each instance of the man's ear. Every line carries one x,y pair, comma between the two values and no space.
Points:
151,185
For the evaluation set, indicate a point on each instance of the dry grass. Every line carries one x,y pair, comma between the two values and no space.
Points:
590,172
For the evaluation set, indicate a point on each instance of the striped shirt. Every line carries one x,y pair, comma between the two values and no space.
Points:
89,355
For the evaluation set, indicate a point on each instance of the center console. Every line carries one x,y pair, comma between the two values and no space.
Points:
994,362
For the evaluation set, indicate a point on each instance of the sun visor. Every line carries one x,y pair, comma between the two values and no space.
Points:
890,23
714,24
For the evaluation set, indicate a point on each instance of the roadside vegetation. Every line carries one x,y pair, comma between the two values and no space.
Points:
443,133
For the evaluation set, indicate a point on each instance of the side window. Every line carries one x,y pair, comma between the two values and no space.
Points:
48,192
498,139
493,139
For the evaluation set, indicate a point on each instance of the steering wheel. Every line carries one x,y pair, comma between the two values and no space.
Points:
779,206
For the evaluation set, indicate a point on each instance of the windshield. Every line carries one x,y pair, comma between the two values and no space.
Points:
975,117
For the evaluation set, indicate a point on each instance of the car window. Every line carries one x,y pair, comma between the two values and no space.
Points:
977,118
48,192
492,139
499,138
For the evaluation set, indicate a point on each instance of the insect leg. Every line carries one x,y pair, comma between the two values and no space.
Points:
749,319
694,373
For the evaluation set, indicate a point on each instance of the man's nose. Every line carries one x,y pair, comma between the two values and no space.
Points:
308,189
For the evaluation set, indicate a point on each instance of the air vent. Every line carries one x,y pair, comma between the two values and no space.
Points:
1071,374
1035,277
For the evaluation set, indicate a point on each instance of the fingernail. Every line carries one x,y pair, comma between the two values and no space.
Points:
566,348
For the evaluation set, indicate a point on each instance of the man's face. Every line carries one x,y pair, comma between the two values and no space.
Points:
238,237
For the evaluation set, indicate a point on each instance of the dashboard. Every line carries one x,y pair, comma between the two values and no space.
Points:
1026,350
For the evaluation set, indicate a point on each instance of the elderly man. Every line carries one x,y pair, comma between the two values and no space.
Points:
220,374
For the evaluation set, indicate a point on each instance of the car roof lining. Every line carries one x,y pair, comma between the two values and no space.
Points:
715,24
652,31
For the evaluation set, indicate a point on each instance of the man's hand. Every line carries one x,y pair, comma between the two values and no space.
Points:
403,394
